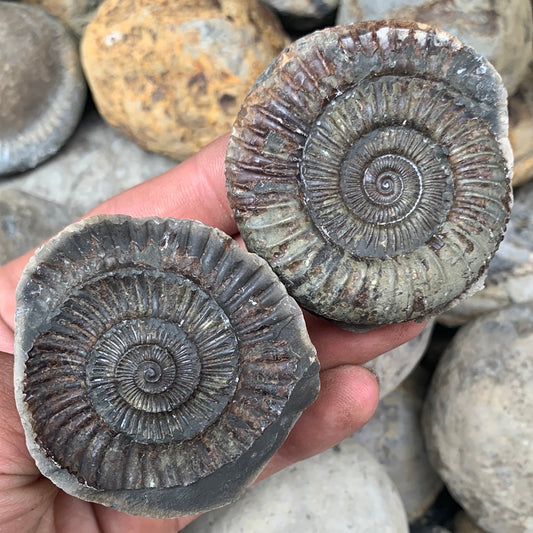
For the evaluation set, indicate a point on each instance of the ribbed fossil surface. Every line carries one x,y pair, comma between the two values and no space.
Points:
158,365
370,166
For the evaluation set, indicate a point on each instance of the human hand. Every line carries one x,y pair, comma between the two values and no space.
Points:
349,393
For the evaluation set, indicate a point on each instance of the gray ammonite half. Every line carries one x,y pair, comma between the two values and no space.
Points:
370,166
42,88
158,366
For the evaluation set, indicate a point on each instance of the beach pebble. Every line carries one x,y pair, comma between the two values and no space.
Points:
477,419
500,30
343,490
96,164
42,90
172,75
394,366
26,221
394,437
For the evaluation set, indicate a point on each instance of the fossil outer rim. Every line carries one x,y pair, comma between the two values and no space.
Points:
264,170
228,480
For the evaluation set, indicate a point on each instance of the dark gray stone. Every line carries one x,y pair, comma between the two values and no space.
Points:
42,88
26,221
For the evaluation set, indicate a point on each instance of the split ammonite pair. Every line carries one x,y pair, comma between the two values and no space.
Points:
158,366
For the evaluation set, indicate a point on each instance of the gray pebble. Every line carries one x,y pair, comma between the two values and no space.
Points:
96,164
394,437
477,419
42,89
26,221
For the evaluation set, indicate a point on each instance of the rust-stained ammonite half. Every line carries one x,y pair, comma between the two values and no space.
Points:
158,366
370,166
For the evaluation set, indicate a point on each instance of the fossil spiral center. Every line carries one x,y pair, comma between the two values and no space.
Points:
374,184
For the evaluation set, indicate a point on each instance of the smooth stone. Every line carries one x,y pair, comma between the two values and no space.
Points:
76,14
42,89
477,419
96,164
521,129
499,30
172,75
510,274
394,437
392,367
343,490
463,524
304,15
26,221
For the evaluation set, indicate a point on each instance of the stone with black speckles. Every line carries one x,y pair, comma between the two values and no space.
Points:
172,75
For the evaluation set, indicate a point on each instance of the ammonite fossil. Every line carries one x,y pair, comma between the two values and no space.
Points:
42,88
370,166
158,366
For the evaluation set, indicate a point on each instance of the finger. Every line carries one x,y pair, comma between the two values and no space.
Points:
348,398
340,347
194,189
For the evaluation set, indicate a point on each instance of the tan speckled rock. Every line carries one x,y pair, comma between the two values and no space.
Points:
500,30
76,14
172,75
477,420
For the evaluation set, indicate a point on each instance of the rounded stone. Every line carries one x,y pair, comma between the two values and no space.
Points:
392,367
394,437
344,490
477,419
42,90
96,164
26,221
172,75
521,129
76,14
500,30
510,275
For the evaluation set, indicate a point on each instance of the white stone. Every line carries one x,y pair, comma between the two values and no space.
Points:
341,490
478,420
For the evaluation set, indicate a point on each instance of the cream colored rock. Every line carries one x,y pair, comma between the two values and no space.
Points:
463,524
172,75
343,490
521,129
477,420
394,437
500,30
394,366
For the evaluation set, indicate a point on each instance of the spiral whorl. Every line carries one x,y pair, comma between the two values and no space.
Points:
157,355
369,165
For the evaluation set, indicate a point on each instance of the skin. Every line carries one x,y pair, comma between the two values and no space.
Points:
348,397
